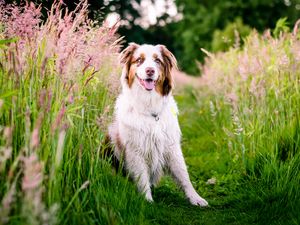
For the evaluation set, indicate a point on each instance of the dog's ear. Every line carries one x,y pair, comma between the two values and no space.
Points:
125,59
126,54
169,63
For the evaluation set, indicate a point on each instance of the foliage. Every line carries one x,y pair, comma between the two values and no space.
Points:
198,29
97,9
232,36
281,27
200,20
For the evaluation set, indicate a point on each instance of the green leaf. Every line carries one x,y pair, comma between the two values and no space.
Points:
4,42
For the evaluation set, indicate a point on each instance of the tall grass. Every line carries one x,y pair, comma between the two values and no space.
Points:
254,104
57,82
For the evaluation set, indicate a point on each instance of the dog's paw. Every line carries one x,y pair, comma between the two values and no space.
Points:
197,200
148,197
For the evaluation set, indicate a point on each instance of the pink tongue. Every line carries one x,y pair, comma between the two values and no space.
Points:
149,85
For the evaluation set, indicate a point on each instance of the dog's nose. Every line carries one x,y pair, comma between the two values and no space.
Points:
150,71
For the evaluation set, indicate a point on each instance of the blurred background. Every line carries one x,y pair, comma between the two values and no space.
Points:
186,26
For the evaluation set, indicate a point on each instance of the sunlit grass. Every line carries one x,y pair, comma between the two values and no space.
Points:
255,112
58,83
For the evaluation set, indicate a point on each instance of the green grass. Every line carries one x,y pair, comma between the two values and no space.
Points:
53,128
258,189
112,199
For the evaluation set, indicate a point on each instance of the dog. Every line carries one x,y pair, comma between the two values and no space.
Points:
145,131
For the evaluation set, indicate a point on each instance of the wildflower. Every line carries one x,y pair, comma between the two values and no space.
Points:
296,50
59,149
34,138
42,98
212,108
296,27
32,174
70,38
21,21
233,99
5,154
103,119
6,204
71,99
7,134
238,128
59,118
33,208
283,61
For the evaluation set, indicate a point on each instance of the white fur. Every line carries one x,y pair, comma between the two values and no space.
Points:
150,144
148,51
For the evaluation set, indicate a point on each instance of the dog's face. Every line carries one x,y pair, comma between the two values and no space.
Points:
149,66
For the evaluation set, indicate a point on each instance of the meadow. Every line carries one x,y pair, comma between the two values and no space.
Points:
58,83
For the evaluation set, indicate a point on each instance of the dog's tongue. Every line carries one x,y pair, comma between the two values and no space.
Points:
149,84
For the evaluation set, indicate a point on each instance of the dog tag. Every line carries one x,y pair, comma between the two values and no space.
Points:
156,117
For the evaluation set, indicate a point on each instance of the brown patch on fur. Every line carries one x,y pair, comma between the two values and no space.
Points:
165,81
142,56
160,81
133,64
139,61
126,58
119,143
131,74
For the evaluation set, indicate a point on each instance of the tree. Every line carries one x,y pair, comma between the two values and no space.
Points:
202,18
98,8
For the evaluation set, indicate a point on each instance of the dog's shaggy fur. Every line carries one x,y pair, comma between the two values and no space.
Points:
145,131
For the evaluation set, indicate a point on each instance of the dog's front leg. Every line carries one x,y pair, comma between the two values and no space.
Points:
178,170
138,170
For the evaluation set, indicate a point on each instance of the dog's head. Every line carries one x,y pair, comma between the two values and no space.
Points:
148,66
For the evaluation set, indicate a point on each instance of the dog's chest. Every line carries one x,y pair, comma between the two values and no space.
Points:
151,134
152,143
148,136
148,129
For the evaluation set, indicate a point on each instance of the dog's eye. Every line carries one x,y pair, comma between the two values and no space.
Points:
157,61
139,61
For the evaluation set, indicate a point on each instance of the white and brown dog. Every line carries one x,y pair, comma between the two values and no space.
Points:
145,130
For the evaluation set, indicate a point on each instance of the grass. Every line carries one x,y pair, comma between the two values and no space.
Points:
242,131
255,192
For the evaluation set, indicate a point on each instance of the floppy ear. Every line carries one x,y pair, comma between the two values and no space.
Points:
126,54
169,63
125,59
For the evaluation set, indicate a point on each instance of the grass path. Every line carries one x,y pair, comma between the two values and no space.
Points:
229,204
170,205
